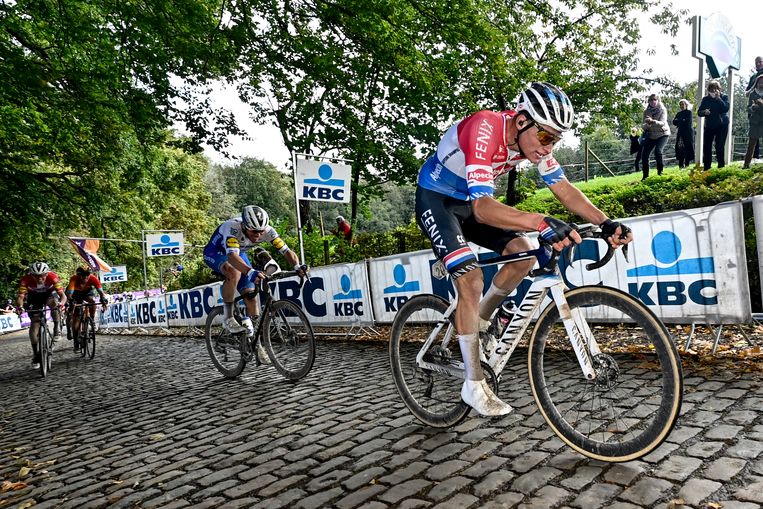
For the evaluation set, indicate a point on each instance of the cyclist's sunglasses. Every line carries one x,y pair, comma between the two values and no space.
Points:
257,232
545,137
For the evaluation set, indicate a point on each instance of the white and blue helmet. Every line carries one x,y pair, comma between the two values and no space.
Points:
547,105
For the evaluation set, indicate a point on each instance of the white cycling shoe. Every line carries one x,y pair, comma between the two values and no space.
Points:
477,394
263,354
232,326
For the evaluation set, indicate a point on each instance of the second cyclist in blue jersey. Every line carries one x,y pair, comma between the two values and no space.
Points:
225,253
455,204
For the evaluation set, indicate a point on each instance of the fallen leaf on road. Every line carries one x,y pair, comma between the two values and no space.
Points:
23,472
676,503
28,503
9,486
157,436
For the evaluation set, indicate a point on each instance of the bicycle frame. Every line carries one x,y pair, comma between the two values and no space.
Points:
581,337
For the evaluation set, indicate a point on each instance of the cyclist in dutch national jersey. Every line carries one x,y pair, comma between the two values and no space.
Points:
82,288
39,287
455,204
225,253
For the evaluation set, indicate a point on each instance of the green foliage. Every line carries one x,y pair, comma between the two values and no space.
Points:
251,182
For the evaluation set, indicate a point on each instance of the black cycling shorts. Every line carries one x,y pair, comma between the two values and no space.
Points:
449,223
38,300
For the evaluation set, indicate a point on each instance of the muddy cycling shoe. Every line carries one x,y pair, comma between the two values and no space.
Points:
478,395
232,326
263,354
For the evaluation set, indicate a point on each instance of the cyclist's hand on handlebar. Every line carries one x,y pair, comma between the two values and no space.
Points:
301,270
558,233
255,276
617,234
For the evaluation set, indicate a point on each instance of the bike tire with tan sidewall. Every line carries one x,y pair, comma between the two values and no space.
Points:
667,377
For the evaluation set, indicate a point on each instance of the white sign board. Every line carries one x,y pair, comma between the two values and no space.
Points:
9,322
323,181
117,274
164,244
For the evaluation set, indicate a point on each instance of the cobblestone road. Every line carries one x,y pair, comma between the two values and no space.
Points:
150,423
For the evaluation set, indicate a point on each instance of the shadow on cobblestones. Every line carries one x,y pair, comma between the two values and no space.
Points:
150,423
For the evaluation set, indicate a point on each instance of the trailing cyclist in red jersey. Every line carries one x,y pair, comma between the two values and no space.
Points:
77,284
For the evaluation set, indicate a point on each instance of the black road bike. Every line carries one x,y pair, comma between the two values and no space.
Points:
44,340
282,328
84,338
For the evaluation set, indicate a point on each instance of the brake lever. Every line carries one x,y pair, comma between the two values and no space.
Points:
568,254
625,252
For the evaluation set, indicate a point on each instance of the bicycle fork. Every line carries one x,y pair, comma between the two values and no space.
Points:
578,331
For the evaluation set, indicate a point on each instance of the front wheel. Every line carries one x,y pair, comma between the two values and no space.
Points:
89,339
289,340
632,404
432,395
224,348
43,344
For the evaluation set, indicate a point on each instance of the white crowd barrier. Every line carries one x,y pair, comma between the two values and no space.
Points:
9,322
688,266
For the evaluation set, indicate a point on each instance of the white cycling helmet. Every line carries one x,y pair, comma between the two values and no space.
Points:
547,105
339,219
39,269
254,218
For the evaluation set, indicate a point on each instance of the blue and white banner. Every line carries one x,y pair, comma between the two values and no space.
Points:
148,312
334,295
323,181
164,244
117,274
9,322
117,315
191,307
687,266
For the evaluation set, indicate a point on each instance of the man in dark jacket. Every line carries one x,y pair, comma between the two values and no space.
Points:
714,109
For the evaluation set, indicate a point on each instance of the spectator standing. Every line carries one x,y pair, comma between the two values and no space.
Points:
755,116
657,130
714,109
685,136
343,228
750,87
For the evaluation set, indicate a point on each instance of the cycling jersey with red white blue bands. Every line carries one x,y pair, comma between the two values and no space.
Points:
473,153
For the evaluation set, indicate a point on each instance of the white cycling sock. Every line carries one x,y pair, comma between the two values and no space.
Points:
470,352
227,310
492,300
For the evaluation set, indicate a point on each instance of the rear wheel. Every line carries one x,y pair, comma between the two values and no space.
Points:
224,348
632,404
288,338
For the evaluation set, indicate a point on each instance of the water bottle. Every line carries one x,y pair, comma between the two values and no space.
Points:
505,313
